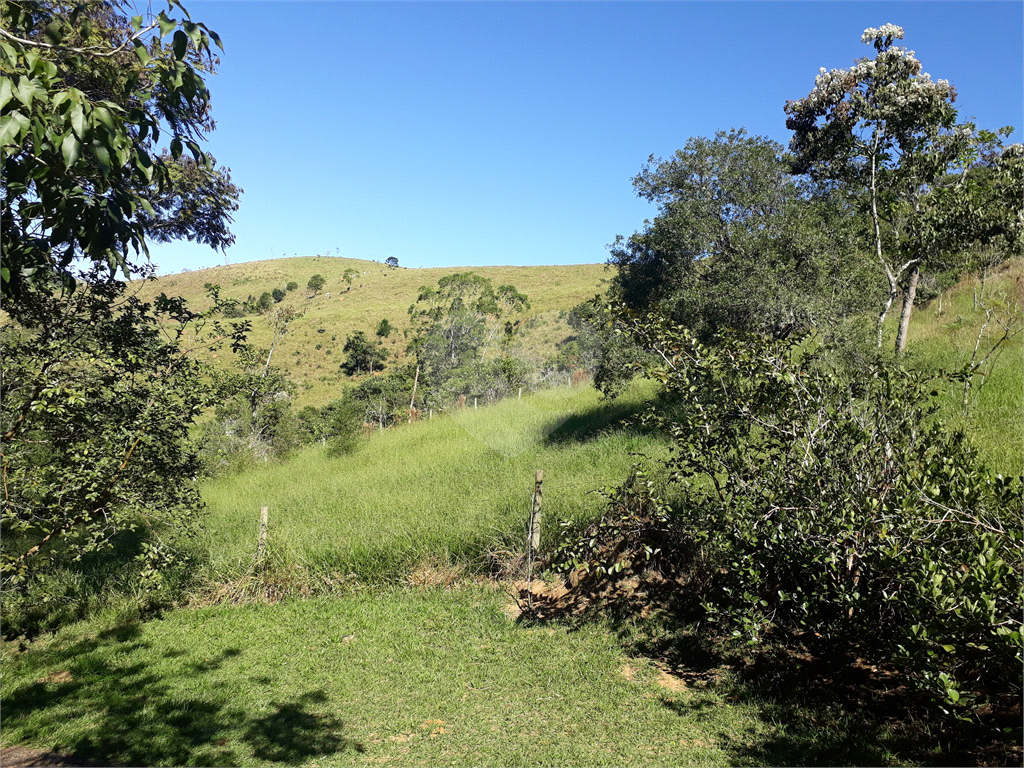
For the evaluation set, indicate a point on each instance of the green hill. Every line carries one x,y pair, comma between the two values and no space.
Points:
311,351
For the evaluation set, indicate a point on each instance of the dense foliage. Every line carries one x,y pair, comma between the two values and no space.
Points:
739,243
86,95
98,394
812,502
100,389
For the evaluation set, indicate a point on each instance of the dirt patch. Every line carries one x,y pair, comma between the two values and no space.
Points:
670,681
58,677
639,594
433,573
26,757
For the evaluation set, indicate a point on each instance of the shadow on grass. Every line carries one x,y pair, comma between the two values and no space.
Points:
106,709
593,422
824,704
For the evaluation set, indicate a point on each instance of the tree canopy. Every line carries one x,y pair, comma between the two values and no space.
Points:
88,95
885,128
738,242
99,388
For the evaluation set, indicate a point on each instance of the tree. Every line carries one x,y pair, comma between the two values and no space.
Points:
292,285
253,418
816,503
86,96
98,394
886,128
362,354
384,329
507,302
449,320
316,284
100,389
738,242
392,261
278,295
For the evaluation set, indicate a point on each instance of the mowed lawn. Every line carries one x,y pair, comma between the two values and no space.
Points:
390,677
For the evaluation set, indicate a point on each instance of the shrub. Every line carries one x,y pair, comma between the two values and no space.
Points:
814,502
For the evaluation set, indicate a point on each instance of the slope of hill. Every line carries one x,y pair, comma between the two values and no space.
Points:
311,351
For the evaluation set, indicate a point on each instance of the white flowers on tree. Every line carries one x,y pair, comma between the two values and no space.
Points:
888,131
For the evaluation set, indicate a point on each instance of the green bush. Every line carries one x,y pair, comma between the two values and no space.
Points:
814,502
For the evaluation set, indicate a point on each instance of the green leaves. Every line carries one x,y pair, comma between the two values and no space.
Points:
13,126
6,91
71,148
803,493
60,141
180,44
167,25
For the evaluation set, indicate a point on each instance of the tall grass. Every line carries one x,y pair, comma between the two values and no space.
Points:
946,340
449,489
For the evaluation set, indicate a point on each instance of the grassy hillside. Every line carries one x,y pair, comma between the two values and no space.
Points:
446,490
430,668
944,335
377,292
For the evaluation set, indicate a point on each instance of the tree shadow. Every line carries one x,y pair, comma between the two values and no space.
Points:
590,424
834,707
131,715
291,732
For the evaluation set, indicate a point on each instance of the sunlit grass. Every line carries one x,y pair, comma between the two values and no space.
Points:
448,488
376,293
946,340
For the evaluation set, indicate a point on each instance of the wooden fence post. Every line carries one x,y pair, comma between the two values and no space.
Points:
533,534
535,513
261,542
412,401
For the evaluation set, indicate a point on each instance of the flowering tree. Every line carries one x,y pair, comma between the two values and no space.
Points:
887,129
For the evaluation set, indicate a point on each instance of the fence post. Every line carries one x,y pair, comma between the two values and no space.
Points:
261,542
474,403
520,393
412,401
535,513
533,534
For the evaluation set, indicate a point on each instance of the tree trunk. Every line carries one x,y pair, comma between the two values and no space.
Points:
908,308
878,242
893,291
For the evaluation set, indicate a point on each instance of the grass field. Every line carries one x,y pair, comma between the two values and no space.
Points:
947,339
402,677
445,490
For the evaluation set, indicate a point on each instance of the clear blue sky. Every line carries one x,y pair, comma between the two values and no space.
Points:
477,133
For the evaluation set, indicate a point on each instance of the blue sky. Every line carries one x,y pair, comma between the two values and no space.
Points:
479,133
